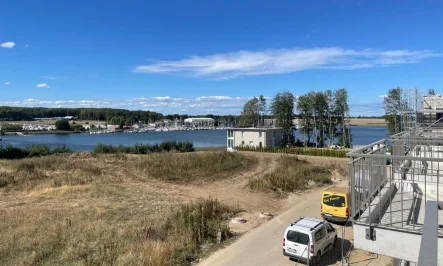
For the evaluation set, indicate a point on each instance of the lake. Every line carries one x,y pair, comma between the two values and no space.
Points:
201,138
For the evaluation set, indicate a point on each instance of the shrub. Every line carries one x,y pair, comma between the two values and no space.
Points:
297,151
11,152
165,146
62,149
62,125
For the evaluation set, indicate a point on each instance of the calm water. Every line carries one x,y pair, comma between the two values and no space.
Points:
204,138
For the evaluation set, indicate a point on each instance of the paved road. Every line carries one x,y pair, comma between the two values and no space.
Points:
263,245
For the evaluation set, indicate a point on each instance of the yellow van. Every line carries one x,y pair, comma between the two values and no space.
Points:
335,204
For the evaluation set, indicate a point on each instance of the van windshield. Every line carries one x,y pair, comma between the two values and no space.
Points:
334,200
297,237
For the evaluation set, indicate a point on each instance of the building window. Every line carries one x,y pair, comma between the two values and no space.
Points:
230,143
260,134
243,143
243,134
260,144
230,133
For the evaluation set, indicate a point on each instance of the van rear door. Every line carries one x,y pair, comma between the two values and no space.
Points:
297,243
334,205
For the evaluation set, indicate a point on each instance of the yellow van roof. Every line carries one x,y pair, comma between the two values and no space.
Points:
341,190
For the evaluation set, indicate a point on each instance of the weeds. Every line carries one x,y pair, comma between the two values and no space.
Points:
292,174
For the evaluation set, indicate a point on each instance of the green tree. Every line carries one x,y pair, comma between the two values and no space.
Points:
342,111
306,115
431,92
250,113
393,105
62,125
282,108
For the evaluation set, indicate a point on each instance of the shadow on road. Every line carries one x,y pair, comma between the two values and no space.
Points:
332,256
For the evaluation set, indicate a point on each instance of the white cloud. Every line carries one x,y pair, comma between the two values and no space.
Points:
26,46
383,96
7,83
191,106
247,63
7,45
42,86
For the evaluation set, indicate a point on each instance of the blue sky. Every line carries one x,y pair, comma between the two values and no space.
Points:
200,57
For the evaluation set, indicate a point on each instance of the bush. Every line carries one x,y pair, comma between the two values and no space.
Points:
78,128
11,127
165,146
195,224
36,150
62,125
297,151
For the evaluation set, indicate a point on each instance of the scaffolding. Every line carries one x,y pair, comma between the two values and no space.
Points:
391,194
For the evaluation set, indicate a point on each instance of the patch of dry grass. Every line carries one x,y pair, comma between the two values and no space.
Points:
293,174
108,210
184,167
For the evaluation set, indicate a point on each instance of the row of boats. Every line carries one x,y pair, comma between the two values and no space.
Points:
160,129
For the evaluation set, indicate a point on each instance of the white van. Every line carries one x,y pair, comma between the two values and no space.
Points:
308,239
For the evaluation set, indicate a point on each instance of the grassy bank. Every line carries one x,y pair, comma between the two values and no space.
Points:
86,209
293,174
298,151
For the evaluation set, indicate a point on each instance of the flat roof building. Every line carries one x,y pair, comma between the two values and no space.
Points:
253,137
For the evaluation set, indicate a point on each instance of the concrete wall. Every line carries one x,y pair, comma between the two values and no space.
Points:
247,137
396,244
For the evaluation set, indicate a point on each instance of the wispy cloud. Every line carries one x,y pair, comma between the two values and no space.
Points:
383,96
42,86
7,83
52,77
26,46
7,45
248,63
219,105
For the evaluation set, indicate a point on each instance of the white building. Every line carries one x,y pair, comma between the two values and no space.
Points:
254,137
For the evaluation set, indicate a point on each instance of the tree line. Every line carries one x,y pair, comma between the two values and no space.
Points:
322,116
111,116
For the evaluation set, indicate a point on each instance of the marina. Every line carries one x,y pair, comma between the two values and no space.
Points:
361,135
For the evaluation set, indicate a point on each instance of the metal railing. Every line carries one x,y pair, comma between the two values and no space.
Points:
395,195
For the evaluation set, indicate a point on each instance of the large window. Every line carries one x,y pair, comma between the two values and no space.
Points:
243,134
260,134
230,133
334,200
297,237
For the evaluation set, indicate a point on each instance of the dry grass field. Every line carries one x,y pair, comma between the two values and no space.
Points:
158,209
